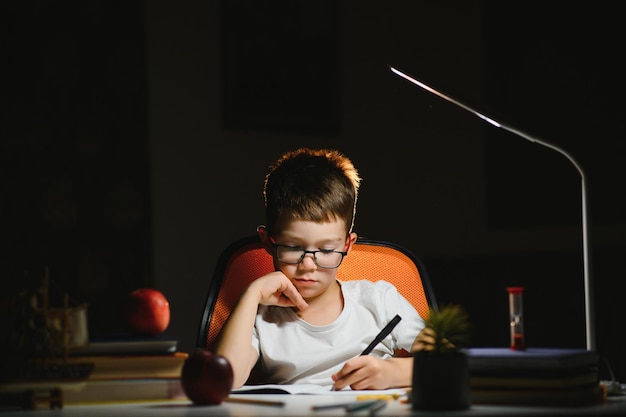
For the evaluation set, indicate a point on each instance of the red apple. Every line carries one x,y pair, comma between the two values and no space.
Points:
146,312
206,377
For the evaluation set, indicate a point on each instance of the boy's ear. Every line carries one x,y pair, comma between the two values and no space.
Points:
351,239
265,238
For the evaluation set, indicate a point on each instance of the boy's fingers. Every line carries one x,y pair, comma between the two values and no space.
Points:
295,297
425,340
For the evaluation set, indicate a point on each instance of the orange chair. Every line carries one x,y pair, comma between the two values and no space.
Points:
245,260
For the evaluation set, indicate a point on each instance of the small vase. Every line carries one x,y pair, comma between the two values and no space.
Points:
440,381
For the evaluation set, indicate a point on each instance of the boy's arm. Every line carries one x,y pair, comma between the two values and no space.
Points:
401,371
235,340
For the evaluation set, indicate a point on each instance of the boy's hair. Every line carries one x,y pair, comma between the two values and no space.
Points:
317,185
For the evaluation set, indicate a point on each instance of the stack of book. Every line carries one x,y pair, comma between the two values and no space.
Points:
128,369
535,376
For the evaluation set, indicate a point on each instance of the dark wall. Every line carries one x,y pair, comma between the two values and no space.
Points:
554,73
74,168
135,138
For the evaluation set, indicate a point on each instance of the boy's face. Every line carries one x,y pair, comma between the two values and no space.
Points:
310,279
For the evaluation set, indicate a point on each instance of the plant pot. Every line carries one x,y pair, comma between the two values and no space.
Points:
440,381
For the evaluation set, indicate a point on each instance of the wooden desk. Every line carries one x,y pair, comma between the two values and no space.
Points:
300,405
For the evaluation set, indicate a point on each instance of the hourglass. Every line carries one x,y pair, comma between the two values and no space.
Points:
516,317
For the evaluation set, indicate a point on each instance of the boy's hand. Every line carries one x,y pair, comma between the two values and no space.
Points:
425,340
276,289
362,373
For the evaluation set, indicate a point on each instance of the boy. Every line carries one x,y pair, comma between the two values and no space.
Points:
304,324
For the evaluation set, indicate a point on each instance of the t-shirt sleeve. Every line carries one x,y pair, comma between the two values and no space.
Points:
411,324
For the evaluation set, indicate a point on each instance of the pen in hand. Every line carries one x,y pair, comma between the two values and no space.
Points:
383,333
379,337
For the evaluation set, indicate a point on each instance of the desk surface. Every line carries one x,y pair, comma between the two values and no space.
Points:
300,405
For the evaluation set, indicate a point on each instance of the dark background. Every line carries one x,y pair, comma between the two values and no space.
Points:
135,136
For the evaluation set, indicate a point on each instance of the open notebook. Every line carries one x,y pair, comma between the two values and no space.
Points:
311,389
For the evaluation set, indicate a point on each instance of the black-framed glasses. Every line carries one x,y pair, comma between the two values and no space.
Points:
323,258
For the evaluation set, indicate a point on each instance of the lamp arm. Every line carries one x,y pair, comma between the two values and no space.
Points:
589,306
588,284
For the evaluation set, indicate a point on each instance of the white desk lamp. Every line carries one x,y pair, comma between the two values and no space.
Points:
589,307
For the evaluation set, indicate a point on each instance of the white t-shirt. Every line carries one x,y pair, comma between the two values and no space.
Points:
294,351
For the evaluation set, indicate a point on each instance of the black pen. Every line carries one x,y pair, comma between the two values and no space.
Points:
349,406
379,405
360,405
383,333
372,405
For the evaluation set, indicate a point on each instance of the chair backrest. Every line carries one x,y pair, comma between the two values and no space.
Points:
245,260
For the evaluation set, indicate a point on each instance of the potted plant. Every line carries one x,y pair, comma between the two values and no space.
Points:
440,368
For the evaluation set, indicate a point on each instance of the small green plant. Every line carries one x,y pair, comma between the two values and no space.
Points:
447,329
